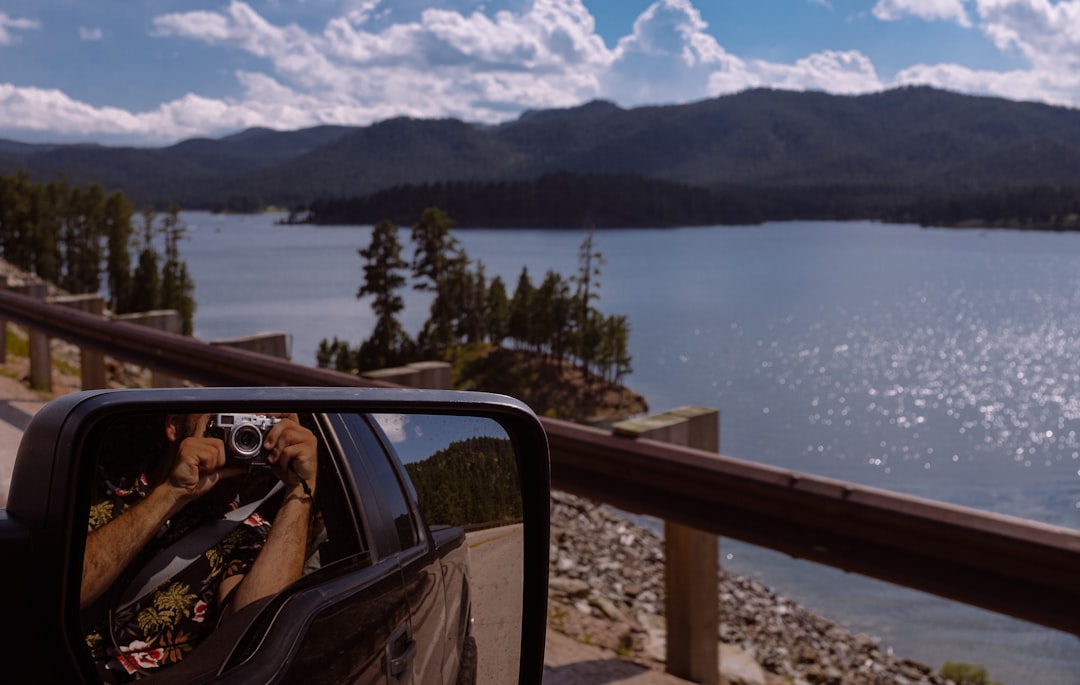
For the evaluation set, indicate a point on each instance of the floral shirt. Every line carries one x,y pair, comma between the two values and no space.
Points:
160,628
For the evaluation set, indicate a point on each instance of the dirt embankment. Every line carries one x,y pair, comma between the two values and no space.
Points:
551,387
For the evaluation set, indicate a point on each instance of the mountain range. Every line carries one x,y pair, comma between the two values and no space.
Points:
910,142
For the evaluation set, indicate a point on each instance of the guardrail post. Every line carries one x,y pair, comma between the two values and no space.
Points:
167,320
428,375
692,556
40,353
274,344
91,362
433,375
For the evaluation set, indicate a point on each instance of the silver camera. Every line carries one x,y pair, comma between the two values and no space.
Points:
243,435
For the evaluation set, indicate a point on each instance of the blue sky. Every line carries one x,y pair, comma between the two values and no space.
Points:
151,72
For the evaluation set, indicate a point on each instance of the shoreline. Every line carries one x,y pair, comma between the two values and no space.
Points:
606,589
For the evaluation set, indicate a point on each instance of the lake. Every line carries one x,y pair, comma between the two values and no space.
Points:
940,363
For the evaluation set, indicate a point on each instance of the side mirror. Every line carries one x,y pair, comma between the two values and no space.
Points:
420,555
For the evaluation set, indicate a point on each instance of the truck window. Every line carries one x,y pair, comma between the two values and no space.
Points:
393,504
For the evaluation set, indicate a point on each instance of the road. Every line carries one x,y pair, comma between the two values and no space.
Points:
17,404
495,557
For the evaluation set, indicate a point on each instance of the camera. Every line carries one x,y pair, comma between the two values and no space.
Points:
243,435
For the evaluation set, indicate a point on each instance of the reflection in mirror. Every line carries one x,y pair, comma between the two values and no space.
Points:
465,474
374,545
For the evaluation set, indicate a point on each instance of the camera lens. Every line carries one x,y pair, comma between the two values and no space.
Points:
246,441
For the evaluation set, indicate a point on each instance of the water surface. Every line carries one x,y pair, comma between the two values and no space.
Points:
934,362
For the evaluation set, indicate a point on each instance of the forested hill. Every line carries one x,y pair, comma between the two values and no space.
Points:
796,154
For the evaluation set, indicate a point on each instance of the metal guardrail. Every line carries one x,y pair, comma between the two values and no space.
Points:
1005,564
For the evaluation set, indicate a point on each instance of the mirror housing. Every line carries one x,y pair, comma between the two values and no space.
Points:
43,530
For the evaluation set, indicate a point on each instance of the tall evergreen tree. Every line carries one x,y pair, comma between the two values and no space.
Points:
17,206
119,232
43,233
586,334
177,287
435,249
389,344
146,287
497,311
82,236
439,265
521,314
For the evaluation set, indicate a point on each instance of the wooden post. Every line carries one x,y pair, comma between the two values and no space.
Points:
433,375
401,375
274,344
163,320
91,362
692,557
40,353
426,375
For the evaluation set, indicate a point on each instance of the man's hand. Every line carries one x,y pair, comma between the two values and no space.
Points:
199,464
292,452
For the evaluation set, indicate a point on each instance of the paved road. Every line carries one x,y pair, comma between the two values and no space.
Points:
495,560
17,404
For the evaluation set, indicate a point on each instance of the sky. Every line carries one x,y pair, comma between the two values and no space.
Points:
153,72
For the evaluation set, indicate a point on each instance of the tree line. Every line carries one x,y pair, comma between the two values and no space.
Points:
555,318
82,239
471,482
556,200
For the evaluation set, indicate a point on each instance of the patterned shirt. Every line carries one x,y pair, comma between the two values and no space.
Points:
166,623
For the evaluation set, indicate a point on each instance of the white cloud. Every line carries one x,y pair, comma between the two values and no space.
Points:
846,73
1021,84
1048,35
1045,35
90,33
7,24
447,64
487,61
929,10
669,57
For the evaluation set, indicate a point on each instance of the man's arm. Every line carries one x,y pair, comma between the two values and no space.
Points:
111,548
293,455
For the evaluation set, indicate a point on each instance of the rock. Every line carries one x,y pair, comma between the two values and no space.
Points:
737,667
609,609
569,587
776,638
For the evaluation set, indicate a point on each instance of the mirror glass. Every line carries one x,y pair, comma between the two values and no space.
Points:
372,545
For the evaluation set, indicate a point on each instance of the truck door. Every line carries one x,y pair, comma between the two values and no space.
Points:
365,634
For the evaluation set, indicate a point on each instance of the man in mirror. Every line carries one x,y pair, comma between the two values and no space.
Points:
173,551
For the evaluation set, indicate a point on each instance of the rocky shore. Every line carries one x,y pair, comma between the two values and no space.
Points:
607,589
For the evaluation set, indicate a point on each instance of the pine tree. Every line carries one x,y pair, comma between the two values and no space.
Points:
119,232
497,311
436,249
388,345
83,233
146,286
586,334
521,322
177,287
439,265
16,209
